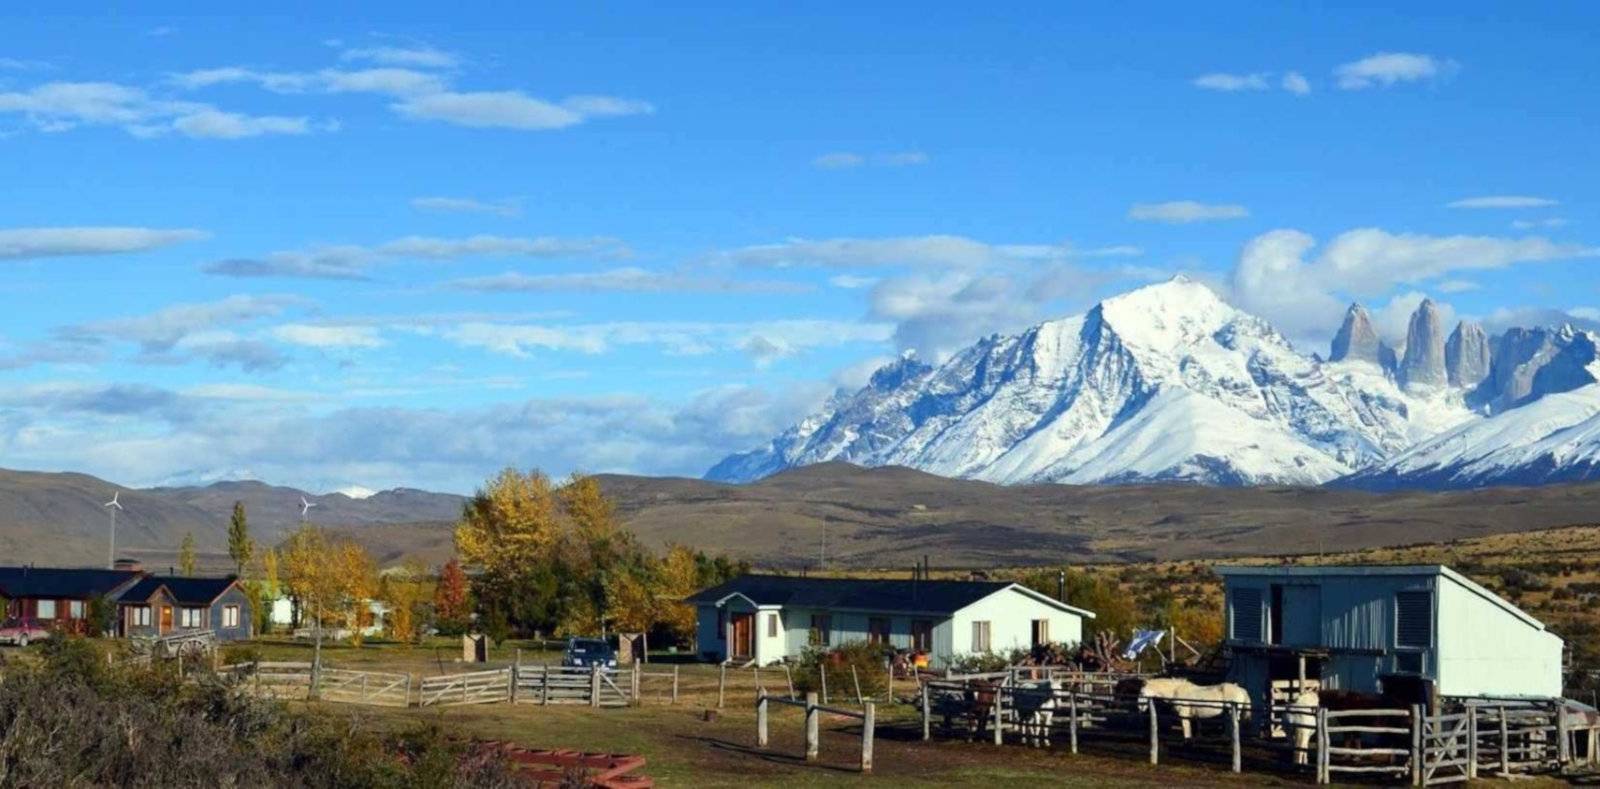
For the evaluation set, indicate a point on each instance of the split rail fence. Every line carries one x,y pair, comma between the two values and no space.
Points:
814,709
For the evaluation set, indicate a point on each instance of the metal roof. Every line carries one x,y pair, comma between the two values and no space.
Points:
184,590
886,595
1357,570
48,582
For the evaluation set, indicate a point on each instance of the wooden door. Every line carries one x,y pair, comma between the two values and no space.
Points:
744,632
166,620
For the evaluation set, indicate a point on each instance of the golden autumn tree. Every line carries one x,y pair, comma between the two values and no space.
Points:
404,589
358,576
511,523
679,578
309,574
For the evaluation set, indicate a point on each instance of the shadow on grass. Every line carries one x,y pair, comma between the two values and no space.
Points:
769,756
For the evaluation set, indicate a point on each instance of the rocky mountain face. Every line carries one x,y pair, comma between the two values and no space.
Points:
1358,341
1423,362
1169,382
1466,355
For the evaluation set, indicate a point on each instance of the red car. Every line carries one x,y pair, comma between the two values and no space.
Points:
21,630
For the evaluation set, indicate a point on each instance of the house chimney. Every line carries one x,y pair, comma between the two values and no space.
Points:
133,565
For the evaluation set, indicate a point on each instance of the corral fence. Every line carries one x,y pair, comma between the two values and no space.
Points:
592,686
473,687
1467,739
376,688
814,709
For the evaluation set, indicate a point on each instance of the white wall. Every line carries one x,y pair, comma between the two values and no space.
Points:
1010,614
1485,651
770,648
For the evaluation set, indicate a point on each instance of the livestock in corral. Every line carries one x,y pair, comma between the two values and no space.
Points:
1034,707
1300,720
1193,702
973,704
1301,717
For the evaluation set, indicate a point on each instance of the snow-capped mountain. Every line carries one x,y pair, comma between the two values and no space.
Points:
1167,382
1555,438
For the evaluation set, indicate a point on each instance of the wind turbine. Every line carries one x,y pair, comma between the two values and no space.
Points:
112,507
305,507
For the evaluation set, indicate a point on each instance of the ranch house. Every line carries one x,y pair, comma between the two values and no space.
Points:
57,597
765,619
1418,632
162,605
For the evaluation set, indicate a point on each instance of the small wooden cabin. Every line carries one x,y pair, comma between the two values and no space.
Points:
162,605
60,597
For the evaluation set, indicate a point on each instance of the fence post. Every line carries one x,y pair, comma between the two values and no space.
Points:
1324,766
999,716
890,698
722,685
516,675
1072,722
1472,742
811,727
544,685
1563,746
869,722
788,677
1155,735
856,680
822,671
927,717
463,681
1505,744
761,718
1233,734
1418,720
594,686
755,674
674,683
635,688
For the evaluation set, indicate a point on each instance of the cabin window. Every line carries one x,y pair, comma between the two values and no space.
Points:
722,625
1041,632
46,609
190,617
922,635
1413,619
980,636
878,630
1246,614
75,609
772,625
821,630
230,616
139,616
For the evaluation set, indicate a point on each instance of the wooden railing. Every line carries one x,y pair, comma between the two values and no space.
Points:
868,715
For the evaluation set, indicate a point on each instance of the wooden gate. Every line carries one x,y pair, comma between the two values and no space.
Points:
569,685
1449,749
477,687
365,687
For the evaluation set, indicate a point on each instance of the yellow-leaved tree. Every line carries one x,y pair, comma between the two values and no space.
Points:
679,578
404,589
358,573
510,524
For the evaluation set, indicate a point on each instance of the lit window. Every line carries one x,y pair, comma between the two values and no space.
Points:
45,610
230,616
139,616
75,609
190,617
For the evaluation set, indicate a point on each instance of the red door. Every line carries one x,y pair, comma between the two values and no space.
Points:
744,632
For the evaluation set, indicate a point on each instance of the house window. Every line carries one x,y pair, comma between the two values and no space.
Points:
75,609
1041,632
980,636
139,616
772,625
878,630
821,630
1246,614
46,609
722,625
230,616
921,635
190,617
1413,619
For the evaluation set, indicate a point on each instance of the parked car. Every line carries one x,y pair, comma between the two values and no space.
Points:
20,630
586,652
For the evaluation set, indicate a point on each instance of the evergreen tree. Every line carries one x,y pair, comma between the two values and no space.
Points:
186,558
240,547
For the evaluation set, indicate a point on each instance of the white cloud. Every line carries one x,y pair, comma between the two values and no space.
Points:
845,160
513,110
839,160
351,261
1296,83
607,106
420,56
937,251
508,207
1392,320
61,106
166,328
318,336
851,281
1233,83
1457,286
1186,211
42,242
1385,69
628,279
1529,224
1278,279
674,337
1503,201
385,81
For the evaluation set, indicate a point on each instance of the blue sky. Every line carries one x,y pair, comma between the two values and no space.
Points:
410,248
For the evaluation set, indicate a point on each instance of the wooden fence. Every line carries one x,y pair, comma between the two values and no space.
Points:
592,686
475,687
364,687
868,715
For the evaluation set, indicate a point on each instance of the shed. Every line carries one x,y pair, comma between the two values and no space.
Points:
769,618
1418,631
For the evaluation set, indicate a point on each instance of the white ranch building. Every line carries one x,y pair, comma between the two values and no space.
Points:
767,618
1423,632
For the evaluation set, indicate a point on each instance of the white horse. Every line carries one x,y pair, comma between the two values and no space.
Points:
1177,693
1035,707
1301,719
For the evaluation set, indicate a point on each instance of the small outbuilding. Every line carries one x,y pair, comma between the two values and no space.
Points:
1421,632
765,619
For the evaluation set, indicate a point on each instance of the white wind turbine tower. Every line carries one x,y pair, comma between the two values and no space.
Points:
305,507
112,507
